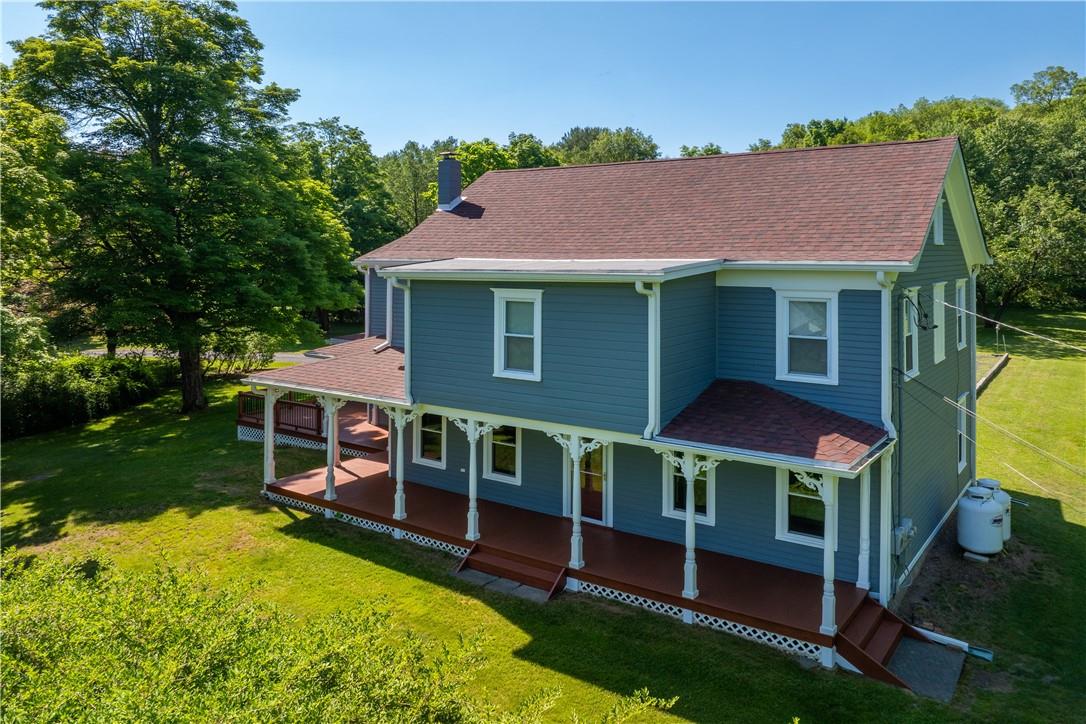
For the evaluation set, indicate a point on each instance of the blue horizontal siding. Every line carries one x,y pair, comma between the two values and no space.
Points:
747,349
378,303
594,354
687,341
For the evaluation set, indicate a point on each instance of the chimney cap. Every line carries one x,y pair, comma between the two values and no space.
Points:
448,154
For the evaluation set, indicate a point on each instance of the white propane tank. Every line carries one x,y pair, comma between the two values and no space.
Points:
980,522
1000,496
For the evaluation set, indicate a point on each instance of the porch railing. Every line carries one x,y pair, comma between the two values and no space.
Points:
294,412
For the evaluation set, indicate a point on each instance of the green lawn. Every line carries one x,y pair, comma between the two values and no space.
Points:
148,484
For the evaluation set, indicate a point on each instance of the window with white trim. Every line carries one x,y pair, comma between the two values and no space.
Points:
938,297
910,333
518,318
429,445
501,455
963,432
674,494
937,222
801,514
807,336
959,302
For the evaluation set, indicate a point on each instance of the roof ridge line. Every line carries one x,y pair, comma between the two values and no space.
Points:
837,147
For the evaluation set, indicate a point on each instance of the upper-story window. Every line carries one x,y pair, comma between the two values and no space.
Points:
675,495
807,336
937,223
518,316
910,334
959,302
938,309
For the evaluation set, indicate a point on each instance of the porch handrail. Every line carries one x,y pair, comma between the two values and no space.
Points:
293,413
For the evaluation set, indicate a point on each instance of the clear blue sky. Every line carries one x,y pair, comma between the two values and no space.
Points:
691,73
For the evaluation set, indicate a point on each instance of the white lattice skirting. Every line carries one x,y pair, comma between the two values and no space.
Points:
421,540
256,434
783,643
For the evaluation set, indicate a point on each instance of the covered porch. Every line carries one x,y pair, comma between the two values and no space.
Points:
765,603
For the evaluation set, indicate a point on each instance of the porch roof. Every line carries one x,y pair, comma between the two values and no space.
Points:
355,369
743,415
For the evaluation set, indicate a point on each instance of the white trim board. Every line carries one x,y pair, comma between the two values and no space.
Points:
416,443
783,299
488,459
667,499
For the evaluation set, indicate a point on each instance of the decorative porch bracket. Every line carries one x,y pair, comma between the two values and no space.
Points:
577,447
826,487
400,417
691,466
473,429
271,395
331,407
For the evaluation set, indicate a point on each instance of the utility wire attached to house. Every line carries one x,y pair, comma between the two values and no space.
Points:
1077,470
1017,329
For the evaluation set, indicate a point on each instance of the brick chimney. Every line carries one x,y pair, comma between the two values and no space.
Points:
448,181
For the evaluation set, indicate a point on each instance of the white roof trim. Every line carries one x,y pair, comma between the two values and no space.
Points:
963,210
557,270
258,381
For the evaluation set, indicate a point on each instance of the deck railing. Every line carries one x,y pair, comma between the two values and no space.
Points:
295,412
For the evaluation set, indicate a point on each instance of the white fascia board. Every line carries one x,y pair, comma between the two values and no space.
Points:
822,280
378,264
824,266
257,381
963,209
676,272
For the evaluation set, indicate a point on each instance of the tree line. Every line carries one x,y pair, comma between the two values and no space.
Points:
157,192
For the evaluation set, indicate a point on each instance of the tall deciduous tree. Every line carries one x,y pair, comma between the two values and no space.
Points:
203,220
709,149
340,156
529,152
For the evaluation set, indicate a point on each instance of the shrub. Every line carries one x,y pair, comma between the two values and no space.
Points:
53,393
88,642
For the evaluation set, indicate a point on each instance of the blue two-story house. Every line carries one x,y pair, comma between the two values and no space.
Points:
733,389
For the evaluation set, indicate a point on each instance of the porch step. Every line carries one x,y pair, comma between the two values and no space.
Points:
863,624
535,574
884,641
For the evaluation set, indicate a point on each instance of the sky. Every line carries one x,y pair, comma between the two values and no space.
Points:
684,73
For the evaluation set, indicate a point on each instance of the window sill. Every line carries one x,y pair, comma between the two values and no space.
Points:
499,478
962,465
439,464
910,374
527,376
809,379
801,539
680,515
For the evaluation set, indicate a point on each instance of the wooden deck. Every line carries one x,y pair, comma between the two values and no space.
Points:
763,596
305,420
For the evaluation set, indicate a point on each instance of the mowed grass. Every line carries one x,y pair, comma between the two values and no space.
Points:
149,485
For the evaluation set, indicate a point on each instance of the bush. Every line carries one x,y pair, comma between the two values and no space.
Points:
88,642
51,393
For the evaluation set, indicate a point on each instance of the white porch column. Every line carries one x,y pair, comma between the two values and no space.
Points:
473,430
331,407
400,418
271,395
886,471
863,579
691,466
576,446
826,487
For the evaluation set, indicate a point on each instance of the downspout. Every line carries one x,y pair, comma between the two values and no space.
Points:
886,470
653,295
406,287
973,366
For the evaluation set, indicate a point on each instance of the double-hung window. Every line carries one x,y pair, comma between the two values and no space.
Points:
963,432
910,333
501,456
518,317
429,443
801,514
674,492
938,297
959,302
807,336
937,223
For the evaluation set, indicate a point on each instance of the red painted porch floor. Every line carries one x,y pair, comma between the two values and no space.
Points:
743,591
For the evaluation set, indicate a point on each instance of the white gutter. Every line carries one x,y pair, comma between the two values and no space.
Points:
406,287
652,426
257,381
841,470
886,471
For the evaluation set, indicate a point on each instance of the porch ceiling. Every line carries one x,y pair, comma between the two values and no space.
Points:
355,369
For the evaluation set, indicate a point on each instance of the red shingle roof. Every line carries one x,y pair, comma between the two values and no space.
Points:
354,369
751,416
840,203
